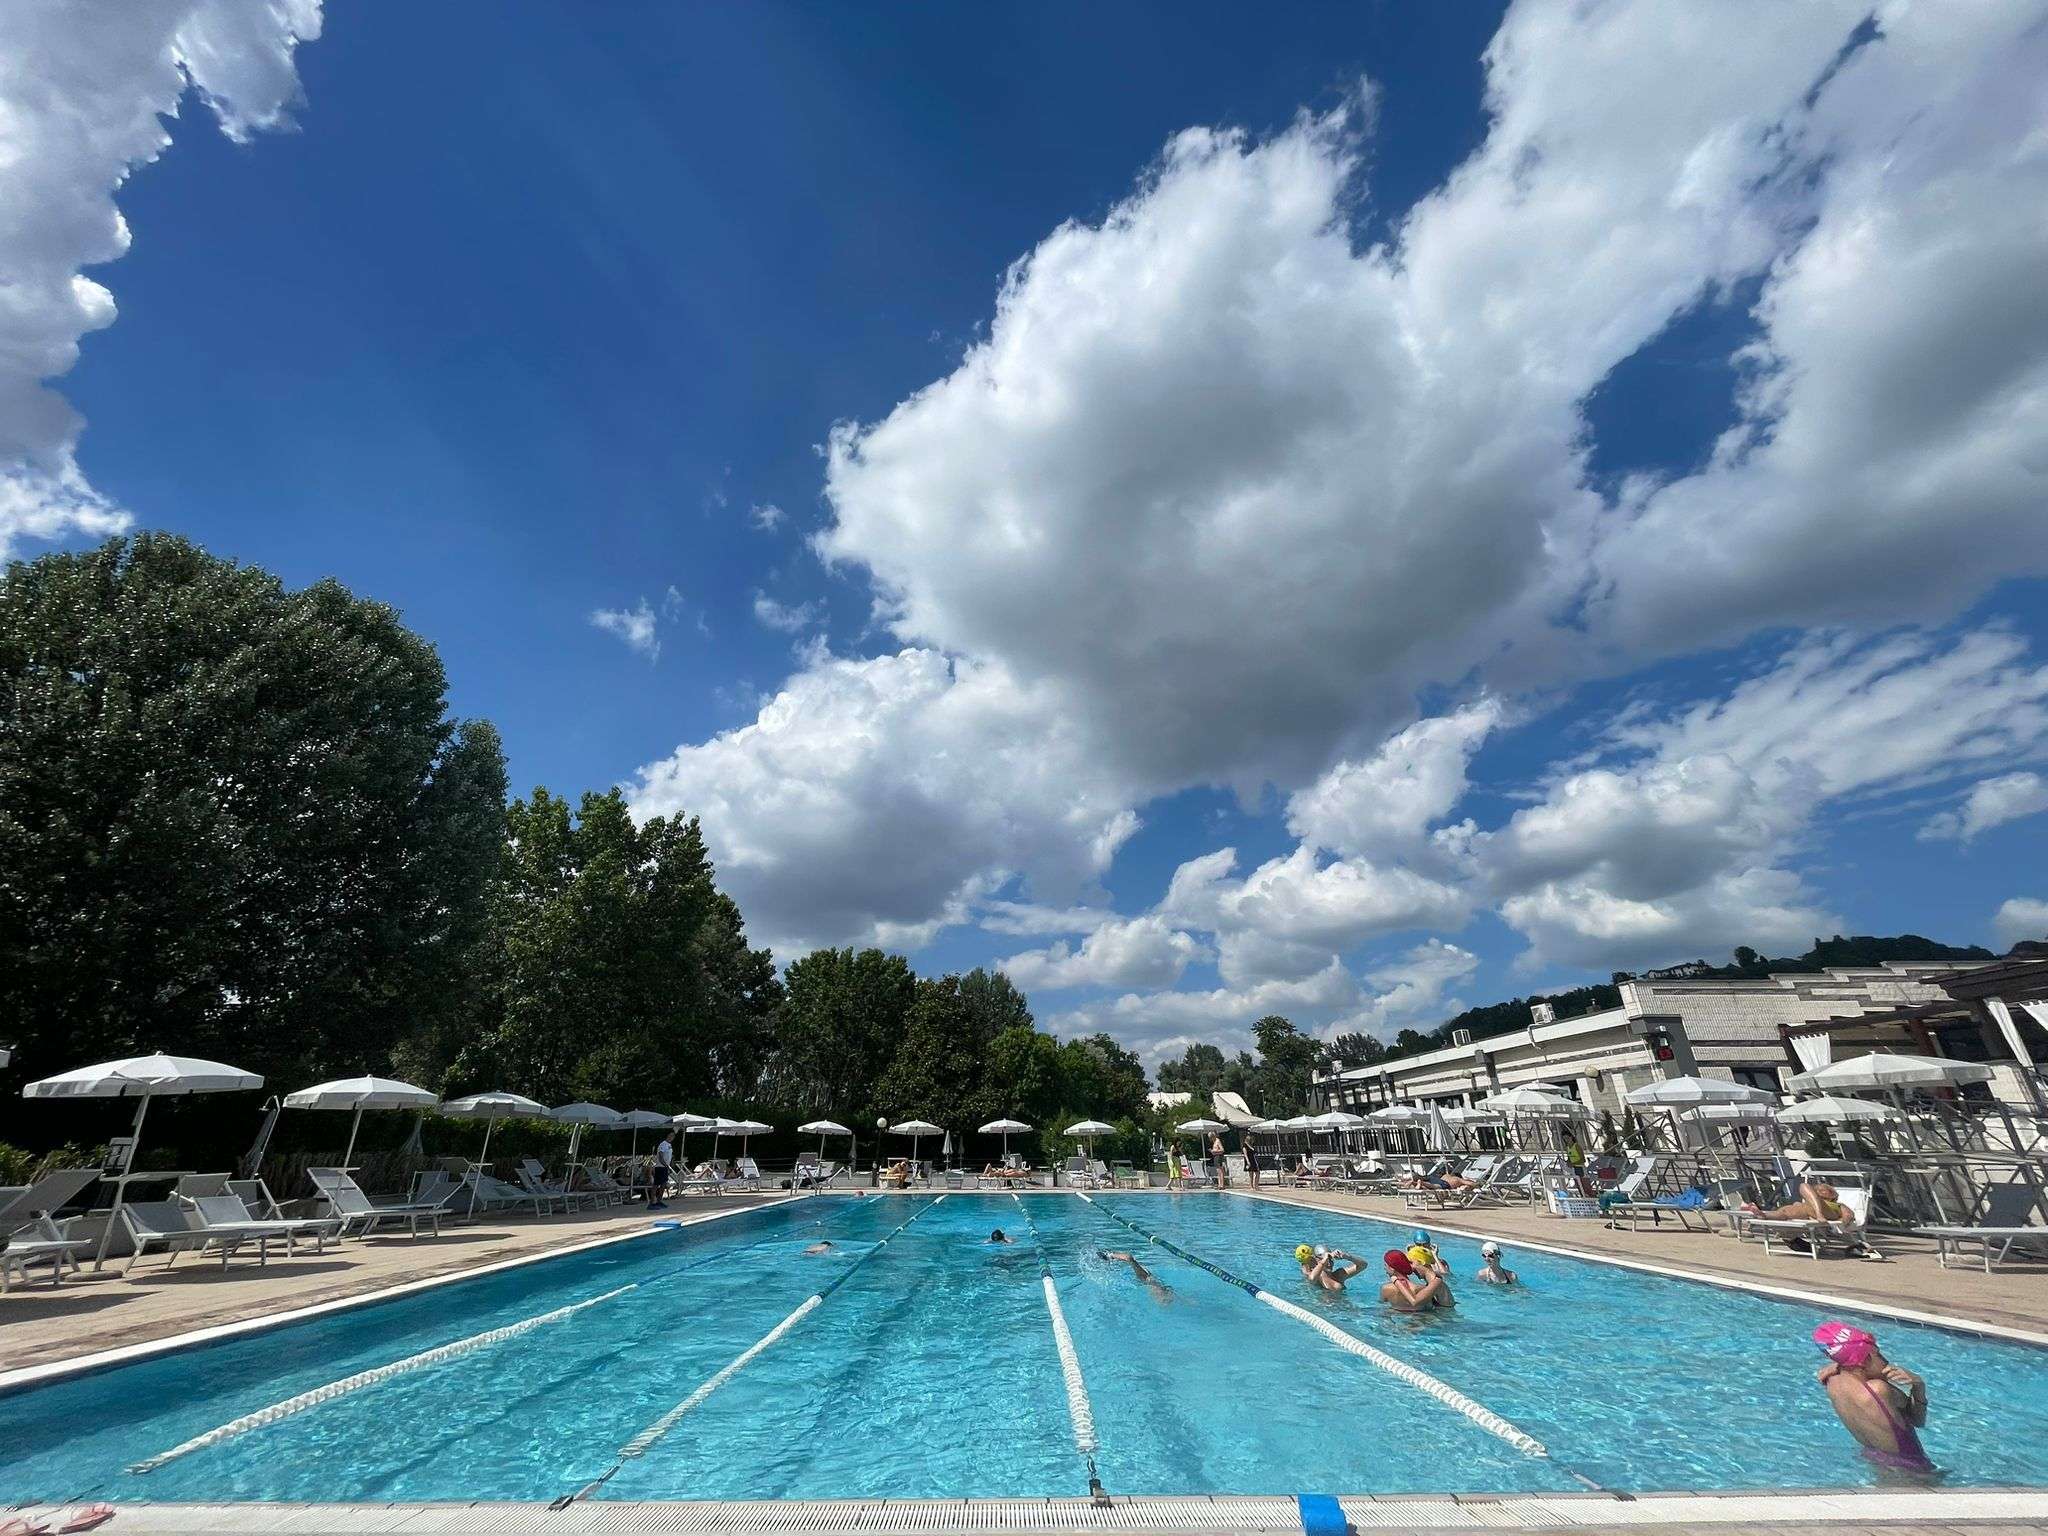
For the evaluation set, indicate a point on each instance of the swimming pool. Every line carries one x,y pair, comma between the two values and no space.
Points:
931,1369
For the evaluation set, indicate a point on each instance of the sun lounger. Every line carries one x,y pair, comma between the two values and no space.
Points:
1819,1235
602,1183
1125,1176
750,1171
176,1228
1686,1207
224,1212
36,1241
544,1189
352,1208
2007,1222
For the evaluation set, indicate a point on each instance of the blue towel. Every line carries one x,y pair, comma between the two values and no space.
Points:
1321,1515
1684,1200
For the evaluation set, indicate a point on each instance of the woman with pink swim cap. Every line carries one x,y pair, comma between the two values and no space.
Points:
1881,1404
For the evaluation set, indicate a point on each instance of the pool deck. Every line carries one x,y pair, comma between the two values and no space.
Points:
1981,1512
2013,1299
94,1311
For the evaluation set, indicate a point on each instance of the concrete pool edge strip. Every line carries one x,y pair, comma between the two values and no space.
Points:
1169,1515
1947,1320
30,1376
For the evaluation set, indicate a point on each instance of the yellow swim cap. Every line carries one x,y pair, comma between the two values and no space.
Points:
1303,1253
1419,1254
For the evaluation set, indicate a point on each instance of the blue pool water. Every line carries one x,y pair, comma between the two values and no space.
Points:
931,1371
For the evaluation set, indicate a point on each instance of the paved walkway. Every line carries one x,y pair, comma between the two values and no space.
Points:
92,1311
2014,1296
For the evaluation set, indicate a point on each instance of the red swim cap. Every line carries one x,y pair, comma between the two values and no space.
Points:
1397,1261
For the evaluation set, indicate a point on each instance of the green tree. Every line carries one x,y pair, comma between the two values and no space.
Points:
1352,1049
995,1003
936,1072
836,1032
1020,1078
1099,1079
235,820
1287,1061
1199,1071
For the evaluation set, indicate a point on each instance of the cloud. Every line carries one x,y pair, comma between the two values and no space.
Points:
83,94
1140,952
881,797
1990,803
635,626
1028,919
766,516
781,616
1161,1024
2021,918
1386,802
1410,988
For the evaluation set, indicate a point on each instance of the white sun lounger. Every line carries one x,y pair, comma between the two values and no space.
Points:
353,1208
2007,1223
1819,1235
543,1189
227,1213
37,1240
176,1229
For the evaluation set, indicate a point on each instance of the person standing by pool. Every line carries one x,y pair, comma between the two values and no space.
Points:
1410,1289
1251,1159
1881,1404
1216,1158
1173,1172
658,1173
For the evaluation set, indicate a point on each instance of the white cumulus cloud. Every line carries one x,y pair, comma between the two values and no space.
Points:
1138,952
635,626
84,90
2021,918
1990,803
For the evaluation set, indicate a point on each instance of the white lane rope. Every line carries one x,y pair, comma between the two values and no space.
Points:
656,1432
1421,1380
1079,1409
264,1417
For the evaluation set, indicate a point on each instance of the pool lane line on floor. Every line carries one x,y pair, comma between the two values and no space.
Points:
27,1378
1080,1412
264,1417
656,1432
1947,1321
1401,1370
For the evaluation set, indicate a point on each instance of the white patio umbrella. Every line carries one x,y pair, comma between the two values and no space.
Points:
916,1130
685,1123
643,1120
1003,1128
1087,1130
1828,1109
1528,1100
748,1130
821,1129
1460,1115
359,1094
1439,1130
491,1108
139,1077
720,1126
1891,1070
1200,1127
583,1113
1694,1094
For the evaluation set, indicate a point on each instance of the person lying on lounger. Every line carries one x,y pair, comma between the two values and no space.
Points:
1413,1180
896,1175
1158,1287
1816,1202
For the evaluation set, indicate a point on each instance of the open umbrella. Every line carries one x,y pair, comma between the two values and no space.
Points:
359,1094
1003,1128
491,1108
916,1130
1200,1127
144,1078
1891,1070
1835,1111
1088,1130
643,1120
685,1123
748,1130
821,1129
580,1114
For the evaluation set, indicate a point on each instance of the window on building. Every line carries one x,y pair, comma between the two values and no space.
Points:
1765,1078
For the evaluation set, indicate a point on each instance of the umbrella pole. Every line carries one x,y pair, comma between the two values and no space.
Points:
120,1186
477,1178
354,1125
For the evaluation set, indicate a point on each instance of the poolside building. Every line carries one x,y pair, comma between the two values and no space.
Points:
1758,1032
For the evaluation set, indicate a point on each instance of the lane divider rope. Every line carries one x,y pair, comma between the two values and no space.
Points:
1421,1380
654,1433
264,1417
1079,1409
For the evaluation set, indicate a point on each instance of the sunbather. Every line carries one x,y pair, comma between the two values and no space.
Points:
1412,1289
1413,1180
896,1175
1325,1268
1816,1202
1881,1404
1158,1287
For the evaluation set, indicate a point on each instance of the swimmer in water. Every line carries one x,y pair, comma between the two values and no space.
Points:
1158,1287
1413,1288
998,1236
1328,1269
1491,1270
1881,1404
822,1245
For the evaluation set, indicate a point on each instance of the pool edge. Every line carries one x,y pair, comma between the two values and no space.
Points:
30,1376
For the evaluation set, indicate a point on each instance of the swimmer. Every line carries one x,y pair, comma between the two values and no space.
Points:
1410,1288
1881,1404
1423,1255
1158,1287
1491,1269
822,1245
998,1236
1325,1268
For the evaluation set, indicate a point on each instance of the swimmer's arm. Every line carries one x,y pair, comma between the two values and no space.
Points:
1915,1390
1430,1291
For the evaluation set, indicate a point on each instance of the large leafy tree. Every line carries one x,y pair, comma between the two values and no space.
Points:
995,1004
235,820
1100,1079
936,1074
621,973
1287,1060
836,1032
1199,1071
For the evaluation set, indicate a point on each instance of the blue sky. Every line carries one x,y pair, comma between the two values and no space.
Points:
1027,451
